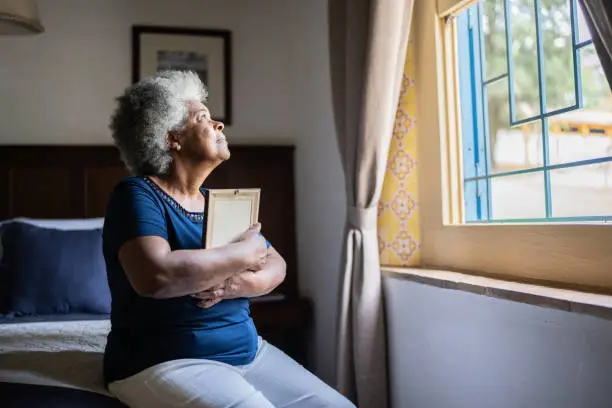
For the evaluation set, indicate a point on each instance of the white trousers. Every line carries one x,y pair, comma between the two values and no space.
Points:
273,379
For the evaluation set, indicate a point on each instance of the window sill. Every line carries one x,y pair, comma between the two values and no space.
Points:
597,305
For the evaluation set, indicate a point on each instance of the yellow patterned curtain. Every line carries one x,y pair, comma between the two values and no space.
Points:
398,210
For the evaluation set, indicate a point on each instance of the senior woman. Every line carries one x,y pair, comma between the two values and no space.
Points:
181,332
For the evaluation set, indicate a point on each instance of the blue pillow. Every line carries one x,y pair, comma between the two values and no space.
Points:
4,289
51,271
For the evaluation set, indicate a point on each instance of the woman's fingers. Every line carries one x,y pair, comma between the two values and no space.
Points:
202,295
214,295
253,230
208,303
209,294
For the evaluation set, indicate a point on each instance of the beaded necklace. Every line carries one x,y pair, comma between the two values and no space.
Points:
192,215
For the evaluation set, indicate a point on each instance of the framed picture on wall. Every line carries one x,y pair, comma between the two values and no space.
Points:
207,52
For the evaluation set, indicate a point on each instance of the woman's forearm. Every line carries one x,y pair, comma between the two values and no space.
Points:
190,271
154,270
253,284
248,283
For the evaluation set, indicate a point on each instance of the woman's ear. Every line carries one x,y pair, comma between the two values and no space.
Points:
174,142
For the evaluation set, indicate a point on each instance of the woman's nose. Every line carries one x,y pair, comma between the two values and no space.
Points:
219,126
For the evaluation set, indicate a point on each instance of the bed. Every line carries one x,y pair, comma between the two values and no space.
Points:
53,318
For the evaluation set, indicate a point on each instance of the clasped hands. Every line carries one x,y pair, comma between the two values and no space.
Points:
242,283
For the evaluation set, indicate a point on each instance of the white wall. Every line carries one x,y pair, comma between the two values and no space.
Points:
321,198
59,88
452,349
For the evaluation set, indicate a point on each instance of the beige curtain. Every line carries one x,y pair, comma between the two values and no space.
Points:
598,14
368,41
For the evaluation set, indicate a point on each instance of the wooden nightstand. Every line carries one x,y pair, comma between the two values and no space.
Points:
286,323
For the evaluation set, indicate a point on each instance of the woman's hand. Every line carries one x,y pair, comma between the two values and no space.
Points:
232,288
255,246
248,283
254,230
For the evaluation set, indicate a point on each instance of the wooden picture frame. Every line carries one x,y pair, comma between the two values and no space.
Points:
229,213
204,51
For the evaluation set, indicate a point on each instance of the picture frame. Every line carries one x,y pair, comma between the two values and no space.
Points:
228,213
205,51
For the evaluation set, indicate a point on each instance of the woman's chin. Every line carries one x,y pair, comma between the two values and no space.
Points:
224,152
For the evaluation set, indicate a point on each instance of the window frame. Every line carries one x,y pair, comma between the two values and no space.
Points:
477,149
575,256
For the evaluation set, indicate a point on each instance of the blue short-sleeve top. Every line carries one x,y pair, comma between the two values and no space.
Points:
146,331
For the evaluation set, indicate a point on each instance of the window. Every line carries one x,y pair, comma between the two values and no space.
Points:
569,254
536,114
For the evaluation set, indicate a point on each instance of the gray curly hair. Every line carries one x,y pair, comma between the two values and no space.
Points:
146,112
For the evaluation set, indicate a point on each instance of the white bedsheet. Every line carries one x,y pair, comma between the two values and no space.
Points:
64,354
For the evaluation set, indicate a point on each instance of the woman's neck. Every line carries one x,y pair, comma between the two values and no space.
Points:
184,181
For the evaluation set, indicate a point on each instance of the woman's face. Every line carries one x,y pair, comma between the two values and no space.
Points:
203,138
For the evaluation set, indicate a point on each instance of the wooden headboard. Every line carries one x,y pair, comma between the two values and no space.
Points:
76,181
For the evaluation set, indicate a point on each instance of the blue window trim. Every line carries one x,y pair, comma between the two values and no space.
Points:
474,122
468,120
475,127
